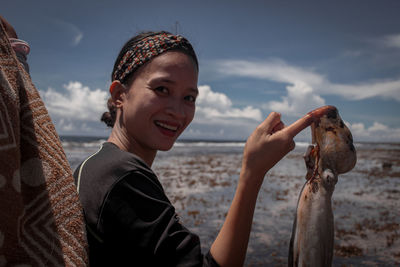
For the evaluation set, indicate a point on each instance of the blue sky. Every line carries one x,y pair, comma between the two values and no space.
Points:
255,57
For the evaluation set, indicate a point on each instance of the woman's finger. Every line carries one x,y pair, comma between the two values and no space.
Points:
270,122
299,125
278,127
308,119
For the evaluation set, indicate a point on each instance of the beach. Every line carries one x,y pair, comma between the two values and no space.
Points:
200,179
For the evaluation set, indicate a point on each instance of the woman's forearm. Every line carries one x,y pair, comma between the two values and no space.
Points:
230,246
268,144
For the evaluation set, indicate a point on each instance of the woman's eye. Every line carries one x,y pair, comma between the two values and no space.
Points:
161,89
190,98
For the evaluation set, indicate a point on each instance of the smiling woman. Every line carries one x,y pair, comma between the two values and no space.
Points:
161,96
129,218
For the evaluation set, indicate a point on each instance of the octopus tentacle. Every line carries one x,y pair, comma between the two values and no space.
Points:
315,171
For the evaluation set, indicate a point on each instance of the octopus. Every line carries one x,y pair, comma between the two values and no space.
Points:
331,153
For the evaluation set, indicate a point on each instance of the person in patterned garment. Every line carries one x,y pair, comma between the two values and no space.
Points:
42,222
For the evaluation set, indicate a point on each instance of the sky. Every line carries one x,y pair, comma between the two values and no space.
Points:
255,57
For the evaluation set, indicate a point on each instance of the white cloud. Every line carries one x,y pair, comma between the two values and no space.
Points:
72,31
377,127
376,132
65,125
77,39
306,88
218,118
78,108
75,107
208,98
214,107
275,70
78,102
300,100
392,40
301,94
389,89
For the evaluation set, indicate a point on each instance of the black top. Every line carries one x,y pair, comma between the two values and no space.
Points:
130,221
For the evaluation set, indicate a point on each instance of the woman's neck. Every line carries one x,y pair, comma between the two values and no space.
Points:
120,138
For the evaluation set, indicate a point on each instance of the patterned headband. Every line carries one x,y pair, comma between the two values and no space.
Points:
147,48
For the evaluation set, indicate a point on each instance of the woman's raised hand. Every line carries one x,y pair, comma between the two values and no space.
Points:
268,144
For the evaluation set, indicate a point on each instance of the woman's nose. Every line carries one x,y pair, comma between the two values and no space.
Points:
176,109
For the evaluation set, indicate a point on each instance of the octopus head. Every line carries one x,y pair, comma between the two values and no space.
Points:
334,142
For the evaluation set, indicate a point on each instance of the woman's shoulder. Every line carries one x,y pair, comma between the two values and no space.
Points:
110,156
110,162
98,174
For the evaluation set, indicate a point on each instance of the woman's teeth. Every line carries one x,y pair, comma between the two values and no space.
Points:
166,126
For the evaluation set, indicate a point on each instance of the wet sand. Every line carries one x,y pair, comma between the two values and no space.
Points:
366,202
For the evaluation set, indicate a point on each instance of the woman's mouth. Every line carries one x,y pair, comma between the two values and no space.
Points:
167,128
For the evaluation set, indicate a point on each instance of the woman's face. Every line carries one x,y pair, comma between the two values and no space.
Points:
160,102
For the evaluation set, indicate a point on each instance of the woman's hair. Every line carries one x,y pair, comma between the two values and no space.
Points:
109,117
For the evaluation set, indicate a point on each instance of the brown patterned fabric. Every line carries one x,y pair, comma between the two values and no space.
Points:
41,220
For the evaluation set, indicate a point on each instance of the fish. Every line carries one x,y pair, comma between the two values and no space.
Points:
331,153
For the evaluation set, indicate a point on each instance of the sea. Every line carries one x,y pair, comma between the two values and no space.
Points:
200,179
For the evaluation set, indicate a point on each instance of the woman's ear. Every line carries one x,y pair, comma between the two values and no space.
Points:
117,90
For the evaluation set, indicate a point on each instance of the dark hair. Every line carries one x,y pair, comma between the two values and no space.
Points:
109,117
